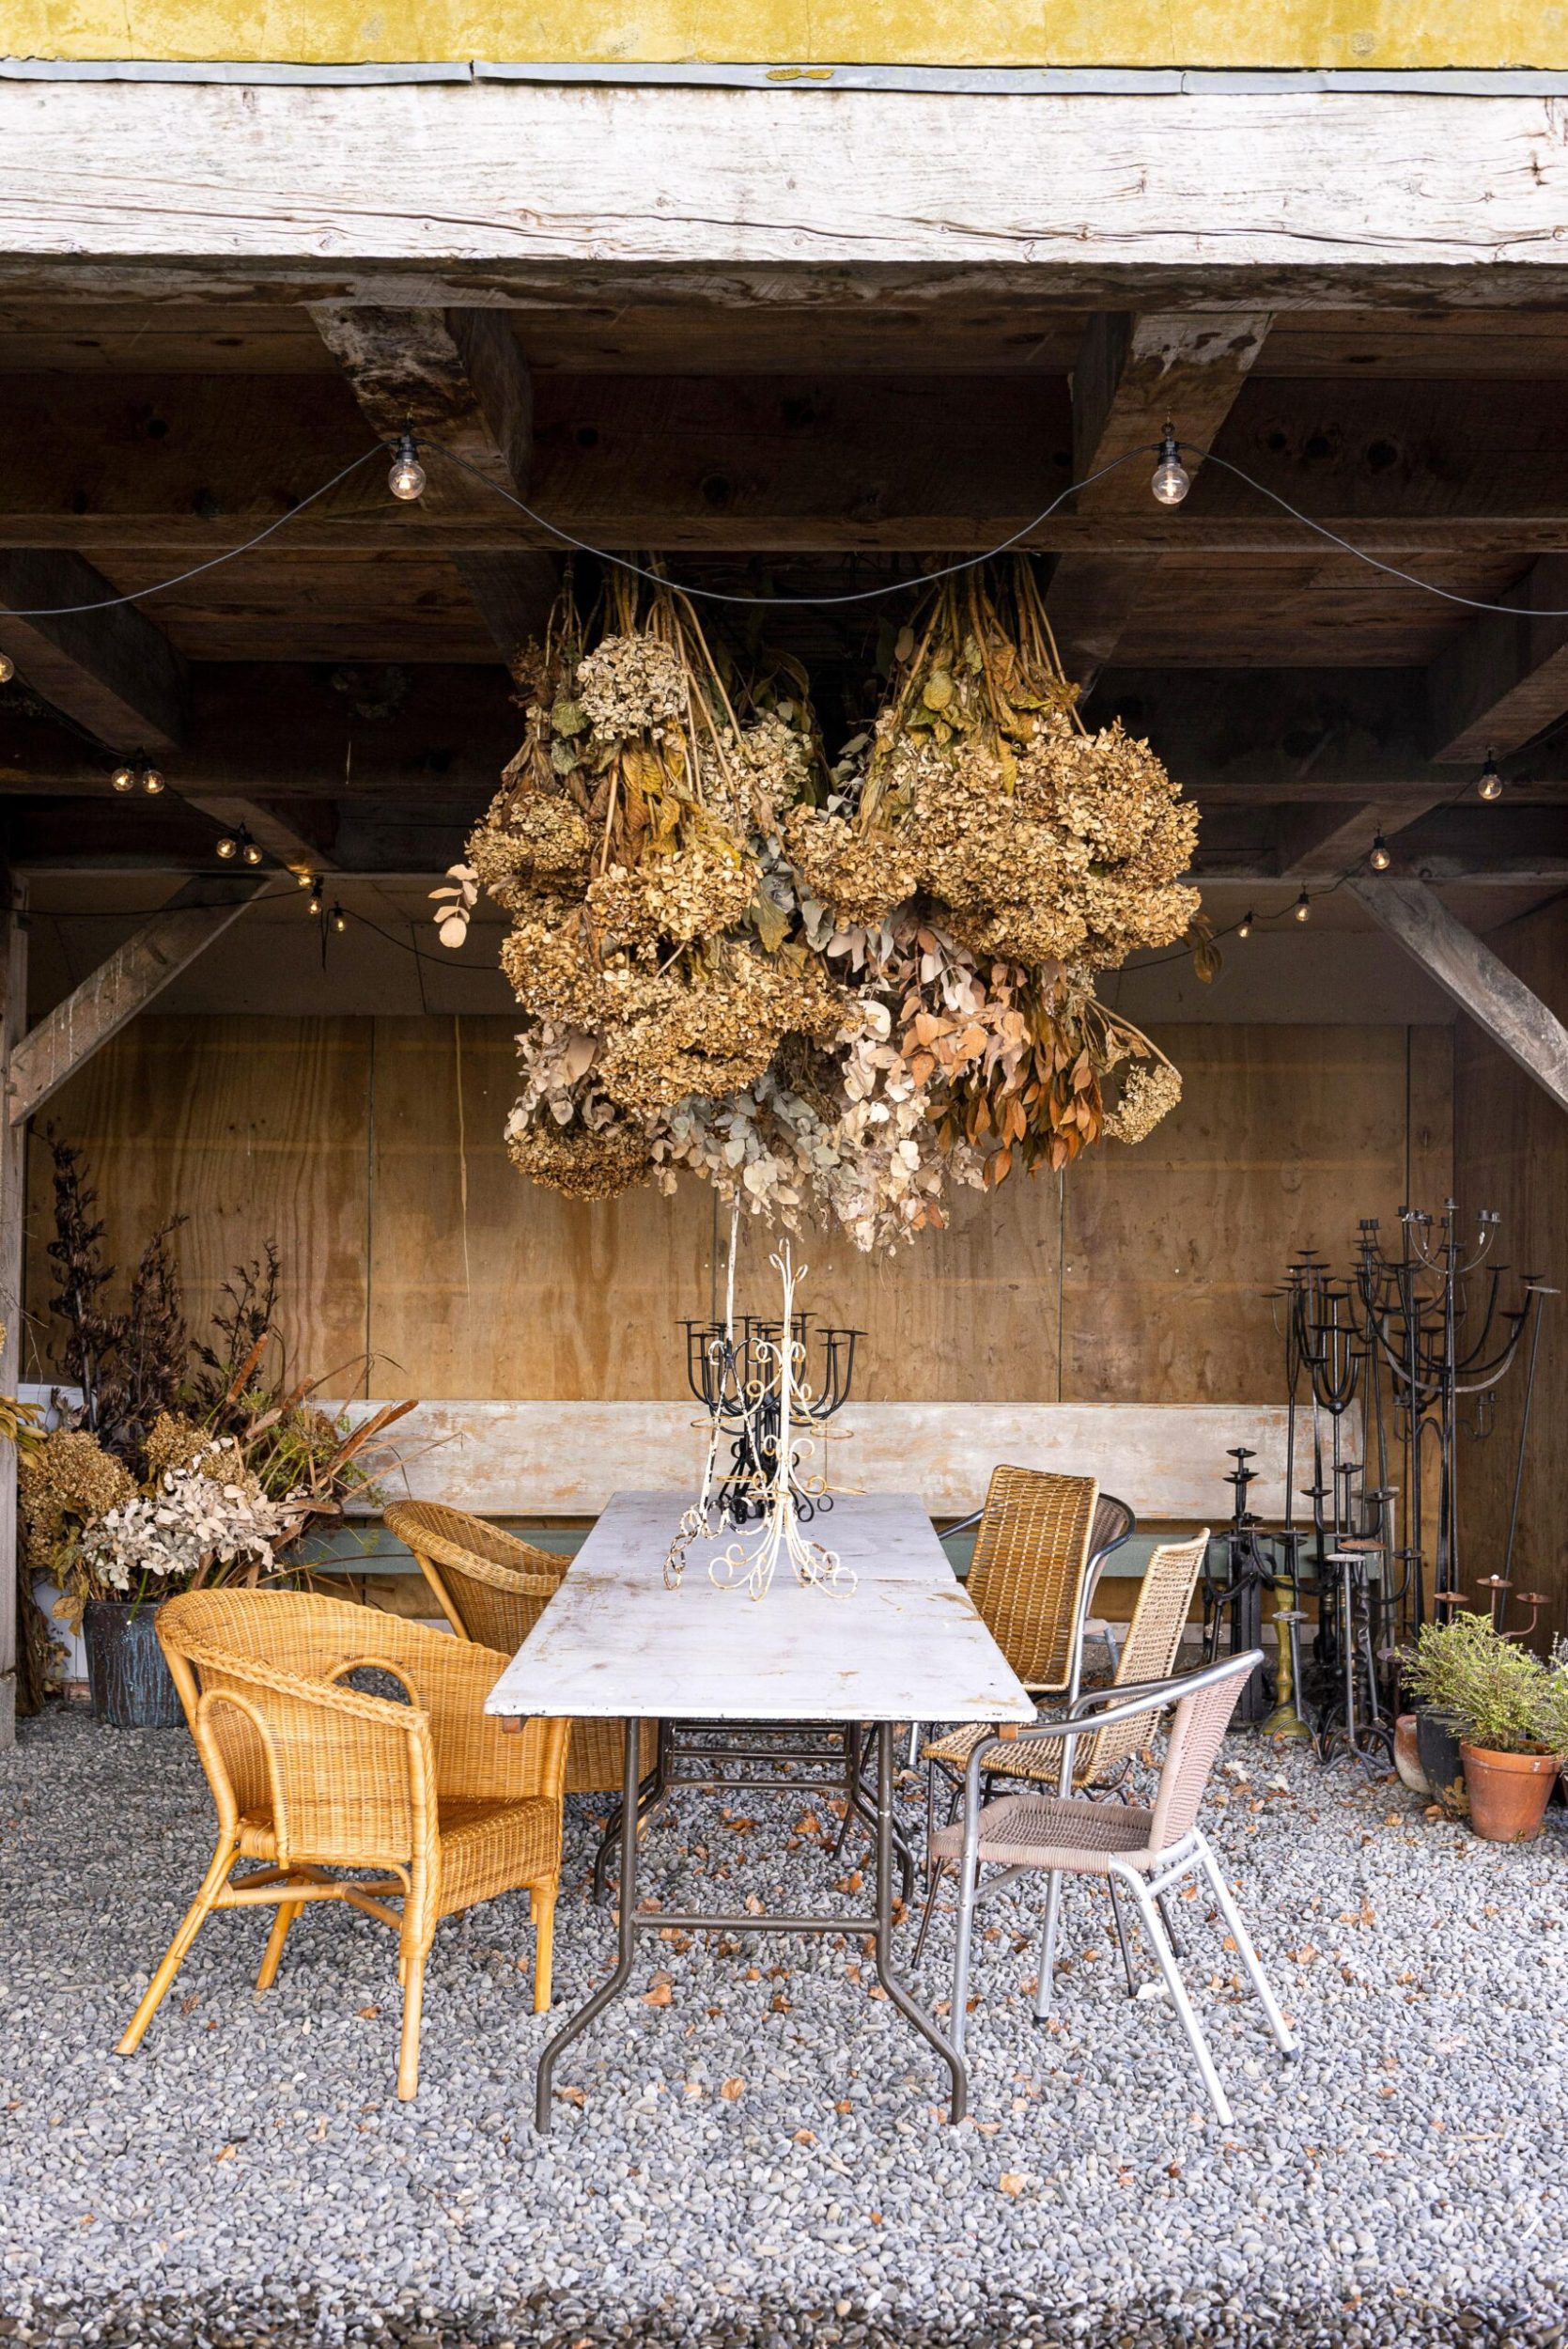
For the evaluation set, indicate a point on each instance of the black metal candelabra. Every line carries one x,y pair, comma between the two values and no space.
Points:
733,1370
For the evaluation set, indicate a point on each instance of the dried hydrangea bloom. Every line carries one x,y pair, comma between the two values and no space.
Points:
528,832
1149,1093
695,893
582,1162
630,684
551,962
67,1476
863,876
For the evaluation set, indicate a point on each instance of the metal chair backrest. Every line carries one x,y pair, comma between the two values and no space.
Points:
1198,1729
1028,1575
492,1587
1152,1646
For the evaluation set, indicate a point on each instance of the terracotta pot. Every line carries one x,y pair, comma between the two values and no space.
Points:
1407,1760
1438,1743
1508,1792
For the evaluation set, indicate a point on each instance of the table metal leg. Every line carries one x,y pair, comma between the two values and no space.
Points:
611,1990
650,1797
857,1806
907,2006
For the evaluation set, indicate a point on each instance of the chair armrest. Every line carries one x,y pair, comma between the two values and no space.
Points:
1130,1703
964,1525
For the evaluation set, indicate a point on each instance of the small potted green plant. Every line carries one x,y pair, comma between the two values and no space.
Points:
1511,1710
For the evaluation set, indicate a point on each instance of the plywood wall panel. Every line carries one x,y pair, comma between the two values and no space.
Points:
1284,1136
1511,1154
256,1129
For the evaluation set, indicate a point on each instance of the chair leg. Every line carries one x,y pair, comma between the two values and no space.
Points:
1153,1927
542,1903
1121,1936
272,1956
1249,1958
935,1871
1045,1988
1177,1944
179,1948
969,1870
412,1969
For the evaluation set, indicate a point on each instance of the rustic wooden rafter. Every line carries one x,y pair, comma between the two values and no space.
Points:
124,983
1505,677
456,377
114,672
1512,1014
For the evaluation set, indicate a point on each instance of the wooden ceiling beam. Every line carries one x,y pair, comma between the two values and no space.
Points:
182,467
1313,842
114,670
1132,375
1483,846
457,379
1495,998
1505,675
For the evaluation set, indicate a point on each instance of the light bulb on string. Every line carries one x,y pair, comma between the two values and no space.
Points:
1172,480
1303,908
312,904
302,878
151,781
339,919
1244,928
406,479
1380,858
7,668
1490,785
252,852
227,847
124,777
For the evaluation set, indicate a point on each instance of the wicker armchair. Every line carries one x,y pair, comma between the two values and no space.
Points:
492,1589
1043,1544
309,1775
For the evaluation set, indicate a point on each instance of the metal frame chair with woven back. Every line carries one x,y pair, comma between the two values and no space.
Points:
308,1775
493,1588
1042,1547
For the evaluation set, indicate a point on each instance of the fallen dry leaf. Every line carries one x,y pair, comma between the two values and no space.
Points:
368,2014
1010,2181
805,2137
226,2152
732,2090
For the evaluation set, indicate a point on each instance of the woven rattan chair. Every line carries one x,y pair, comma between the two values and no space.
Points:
1144,1850
1149,1653
493,1588
308,1775
1042,1547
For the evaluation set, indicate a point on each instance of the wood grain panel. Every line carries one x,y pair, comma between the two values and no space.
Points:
255,1128
482,1283
1284,1137
1511,1153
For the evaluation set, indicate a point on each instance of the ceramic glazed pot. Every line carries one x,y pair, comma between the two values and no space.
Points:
1437,1747
1508,1792
1407,1760
126,1672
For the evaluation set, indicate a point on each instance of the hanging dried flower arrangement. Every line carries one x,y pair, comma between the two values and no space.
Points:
831,993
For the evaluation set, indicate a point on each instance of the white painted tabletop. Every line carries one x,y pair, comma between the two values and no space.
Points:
905,1644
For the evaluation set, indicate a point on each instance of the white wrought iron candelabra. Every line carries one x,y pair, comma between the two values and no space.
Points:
780,1392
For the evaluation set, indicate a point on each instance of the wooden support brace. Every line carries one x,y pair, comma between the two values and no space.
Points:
1500,1003
115,672
122,986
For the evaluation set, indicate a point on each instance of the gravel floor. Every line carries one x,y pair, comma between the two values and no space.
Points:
749,2151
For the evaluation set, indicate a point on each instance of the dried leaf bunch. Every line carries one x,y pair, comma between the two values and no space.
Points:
834,991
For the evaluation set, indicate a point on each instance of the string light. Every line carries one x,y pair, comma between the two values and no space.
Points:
1244,928
1172,480
1303,908
302,874
7,668
1380,859
1490,785
315,887
151,781
406,479
138,774
124,778
339,919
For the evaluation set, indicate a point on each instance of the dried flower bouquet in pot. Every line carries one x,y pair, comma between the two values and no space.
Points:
831,992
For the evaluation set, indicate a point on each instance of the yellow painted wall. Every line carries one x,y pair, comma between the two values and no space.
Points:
1391,34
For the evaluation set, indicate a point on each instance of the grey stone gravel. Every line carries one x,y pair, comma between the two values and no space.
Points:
250,2177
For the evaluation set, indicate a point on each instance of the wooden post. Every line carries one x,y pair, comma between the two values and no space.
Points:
13,1163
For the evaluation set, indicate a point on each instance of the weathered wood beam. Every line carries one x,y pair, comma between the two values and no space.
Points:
1292,193
281,836
789,462
1133,374
66,1037
1500,1003
457,378
1504,678
13,1167
1313,843
115,672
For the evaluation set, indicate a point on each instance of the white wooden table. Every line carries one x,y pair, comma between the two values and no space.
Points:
905,1644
